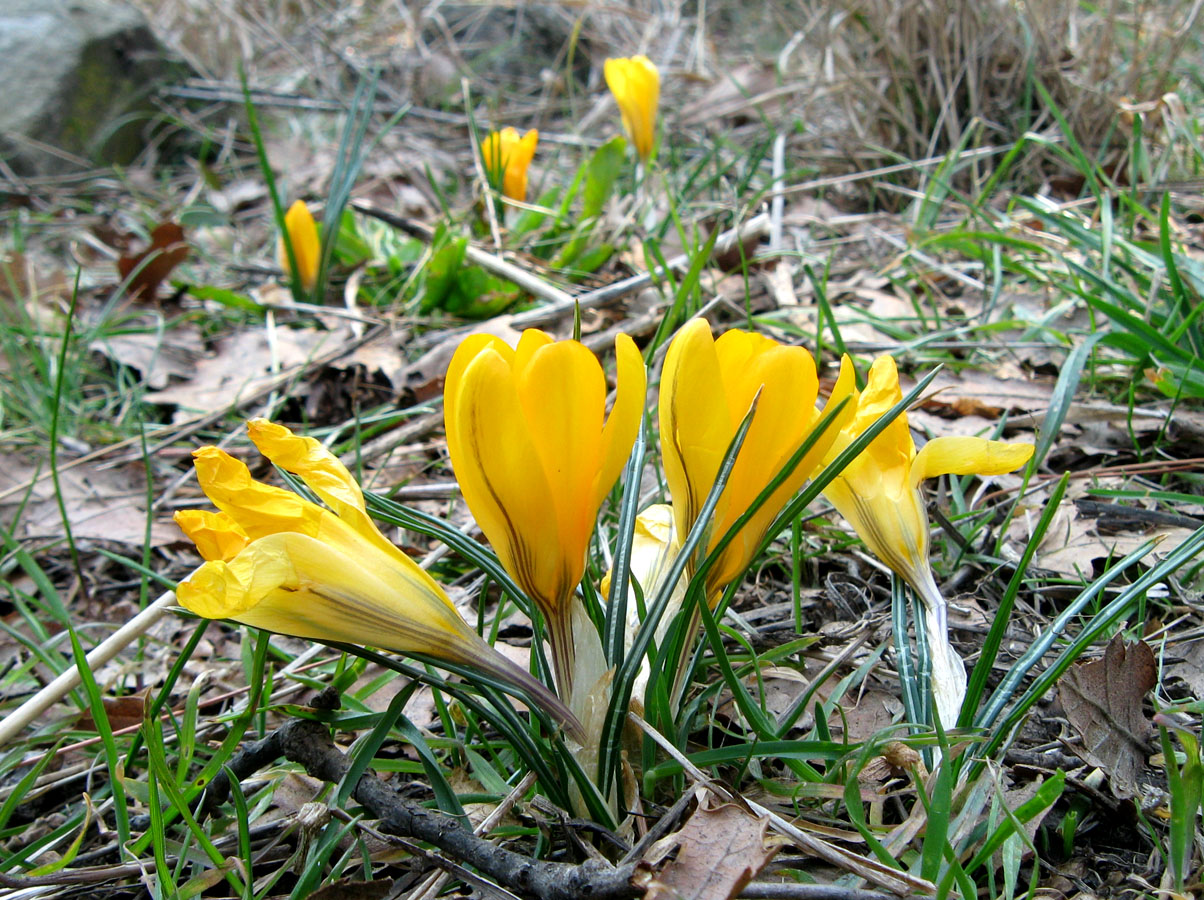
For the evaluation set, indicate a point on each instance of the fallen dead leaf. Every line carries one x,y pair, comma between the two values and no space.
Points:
1013,799
102,504
867,714
147,270
720,851
977,393
1190,667
1074,542
122,712
730,94
158,355
244,363
1103,702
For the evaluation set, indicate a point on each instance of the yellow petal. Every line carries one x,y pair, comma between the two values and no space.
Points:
501,476
783,381
635,83
894,528
967,456
294,584
893,449
521,154
843,391
695,421
623,423
216,535
303,235
530,342
563,395
322,473
259,509
309,460
468,350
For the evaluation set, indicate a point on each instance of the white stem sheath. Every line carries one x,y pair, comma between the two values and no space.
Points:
948,670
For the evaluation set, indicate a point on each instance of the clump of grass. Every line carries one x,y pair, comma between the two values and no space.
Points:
940,70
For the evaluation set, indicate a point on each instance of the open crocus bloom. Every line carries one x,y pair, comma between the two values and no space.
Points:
535,454
280,562
707,388
507,158
303,235
636,86
879,494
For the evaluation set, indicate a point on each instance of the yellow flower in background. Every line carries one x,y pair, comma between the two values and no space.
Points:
707,388
879,494
636,85
277,561
507,158
535,455
303,235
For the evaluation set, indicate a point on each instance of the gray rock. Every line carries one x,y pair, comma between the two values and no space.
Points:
78,77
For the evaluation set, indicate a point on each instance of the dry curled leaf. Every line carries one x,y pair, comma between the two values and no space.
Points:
720,851
150,268
1103,701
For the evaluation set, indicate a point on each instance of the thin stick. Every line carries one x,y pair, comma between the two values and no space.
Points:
778,203
755,226
24,714
430,888
561,301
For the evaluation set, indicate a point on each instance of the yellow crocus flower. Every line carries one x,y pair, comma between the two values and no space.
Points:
507,158
635,83
879,494
707,388
535,455
277,561
303,235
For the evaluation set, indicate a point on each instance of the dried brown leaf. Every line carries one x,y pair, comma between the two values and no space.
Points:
976,393
122,712
150,268
1103,701
720,851
1074,542
101,504
159,356
245,363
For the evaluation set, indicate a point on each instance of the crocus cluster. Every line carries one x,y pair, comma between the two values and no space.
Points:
536,453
